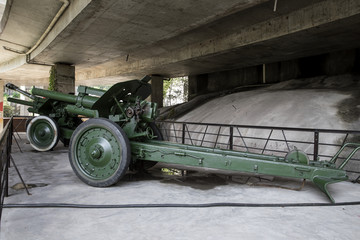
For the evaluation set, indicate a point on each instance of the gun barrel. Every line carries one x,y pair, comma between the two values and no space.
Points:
19,101
17,89
85,101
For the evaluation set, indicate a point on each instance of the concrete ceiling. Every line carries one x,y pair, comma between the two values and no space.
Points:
115,40
25,24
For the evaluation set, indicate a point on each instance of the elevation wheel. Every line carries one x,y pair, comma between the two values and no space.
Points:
99,152
297,156
156,132
42,133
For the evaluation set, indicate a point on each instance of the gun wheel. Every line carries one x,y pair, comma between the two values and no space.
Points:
42,133
99,152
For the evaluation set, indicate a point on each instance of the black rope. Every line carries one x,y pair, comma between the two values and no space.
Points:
178,205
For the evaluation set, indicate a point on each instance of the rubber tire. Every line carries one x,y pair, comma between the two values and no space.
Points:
120,137
55,128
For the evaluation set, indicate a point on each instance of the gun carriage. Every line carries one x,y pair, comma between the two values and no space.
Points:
121,133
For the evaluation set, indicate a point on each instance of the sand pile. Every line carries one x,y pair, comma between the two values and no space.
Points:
322,102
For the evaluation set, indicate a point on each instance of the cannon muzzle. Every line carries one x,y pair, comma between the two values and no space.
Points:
17,89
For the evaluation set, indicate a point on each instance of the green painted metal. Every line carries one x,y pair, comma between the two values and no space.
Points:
42,133
356,147
297,156
81,111
123,103
99,152
121,133
66,133
85,101
320,173
90,91
19,101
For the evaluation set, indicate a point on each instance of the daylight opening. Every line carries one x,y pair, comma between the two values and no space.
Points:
175,91
2,8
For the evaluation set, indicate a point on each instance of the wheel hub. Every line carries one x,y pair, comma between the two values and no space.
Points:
42,133
98,153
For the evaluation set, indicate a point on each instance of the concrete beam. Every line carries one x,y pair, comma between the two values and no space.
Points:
74,9
27,75
322,18
110,29
26,26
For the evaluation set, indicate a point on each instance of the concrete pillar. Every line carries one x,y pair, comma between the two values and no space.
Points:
157,87
64,78
198,84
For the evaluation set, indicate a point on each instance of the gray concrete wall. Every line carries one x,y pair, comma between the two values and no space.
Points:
281,71
333,63
234,78
342,62
197,85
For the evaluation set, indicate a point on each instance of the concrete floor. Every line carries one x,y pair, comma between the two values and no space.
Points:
57,183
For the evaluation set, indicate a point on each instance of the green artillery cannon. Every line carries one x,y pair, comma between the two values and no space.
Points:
121,133
61,113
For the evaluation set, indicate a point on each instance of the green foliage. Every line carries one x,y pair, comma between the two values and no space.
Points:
52,79
175,91
16,95
8,111
166,87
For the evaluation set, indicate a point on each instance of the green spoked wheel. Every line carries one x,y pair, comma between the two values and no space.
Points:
99,152
42,133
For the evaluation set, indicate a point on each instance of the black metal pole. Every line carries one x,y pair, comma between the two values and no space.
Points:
8,152
231,140
316,145
183,134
